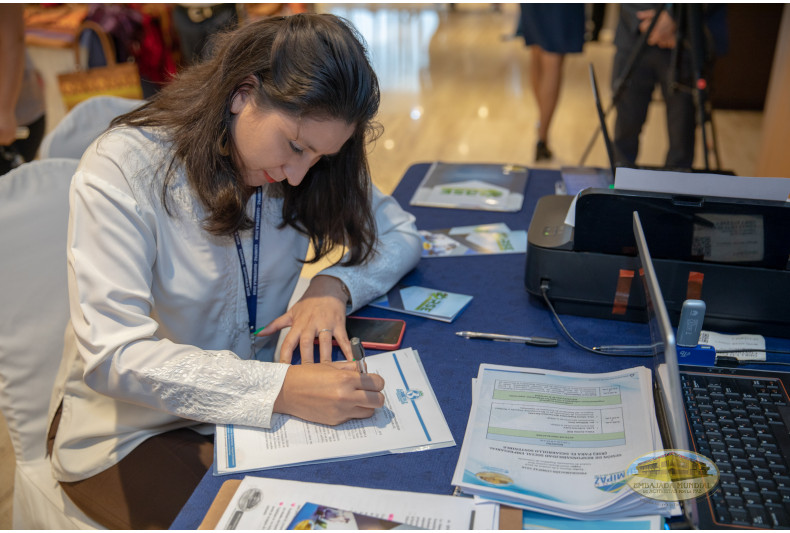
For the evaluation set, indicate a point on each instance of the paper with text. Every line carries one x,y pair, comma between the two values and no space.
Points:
261,503
410,420
557,441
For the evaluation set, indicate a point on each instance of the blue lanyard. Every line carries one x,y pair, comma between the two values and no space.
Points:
251,285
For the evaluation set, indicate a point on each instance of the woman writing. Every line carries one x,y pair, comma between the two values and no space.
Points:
190,219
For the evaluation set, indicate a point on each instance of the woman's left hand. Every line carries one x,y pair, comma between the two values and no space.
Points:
321,313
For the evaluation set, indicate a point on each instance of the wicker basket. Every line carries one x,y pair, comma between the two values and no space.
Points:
122,80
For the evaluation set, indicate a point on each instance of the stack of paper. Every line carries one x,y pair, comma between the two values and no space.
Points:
473,240
510,518
410,420
425,302
560,443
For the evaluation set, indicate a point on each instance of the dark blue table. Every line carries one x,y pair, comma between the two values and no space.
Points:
501,305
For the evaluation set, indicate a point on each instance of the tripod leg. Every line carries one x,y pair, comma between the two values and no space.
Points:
700,84
709,114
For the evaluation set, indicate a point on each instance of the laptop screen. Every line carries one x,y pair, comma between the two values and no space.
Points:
666,371
666,378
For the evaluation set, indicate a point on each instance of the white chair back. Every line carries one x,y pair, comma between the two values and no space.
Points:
34,212
83,124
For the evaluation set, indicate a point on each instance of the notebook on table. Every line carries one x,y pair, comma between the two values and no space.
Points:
735,417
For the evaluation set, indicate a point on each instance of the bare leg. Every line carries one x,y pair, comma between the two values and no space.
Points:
546,79
536,73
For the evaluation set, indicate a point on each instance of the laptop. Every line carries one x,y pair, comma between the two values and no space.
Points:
735,417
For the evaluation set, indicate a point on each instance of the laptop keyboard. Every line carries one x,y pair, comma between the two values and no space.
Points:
739,423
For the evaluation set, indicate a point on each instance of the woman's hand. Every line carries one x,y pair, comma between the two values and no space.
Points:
329,393
321,313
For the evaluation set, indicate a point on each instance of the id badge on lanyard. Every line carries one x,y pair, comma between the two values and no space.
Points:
251,279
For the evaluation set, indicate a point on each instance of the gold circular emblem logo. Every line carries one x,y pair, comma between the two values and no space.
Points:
672,475
494,478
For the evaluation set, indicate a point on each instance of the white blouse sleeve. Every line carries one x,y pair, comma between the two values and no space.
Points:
136,349
398,251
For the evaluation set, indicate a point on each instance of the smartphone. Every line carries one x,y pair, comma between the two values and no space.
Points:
375,333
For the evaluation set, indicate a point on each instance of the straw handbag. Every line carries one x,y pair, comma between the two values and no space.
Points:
115,79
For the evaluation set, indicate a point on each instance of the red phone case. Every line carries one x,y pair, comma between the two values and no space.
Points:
378,345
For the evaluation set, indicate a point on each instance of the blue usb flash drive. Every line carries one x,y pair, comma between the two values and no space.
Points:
699,355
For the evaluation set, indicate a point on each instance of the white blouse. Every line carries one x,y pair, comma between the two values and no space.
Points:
159,332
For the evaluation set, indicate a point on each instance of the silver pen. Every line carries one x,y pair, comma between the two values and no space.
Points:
534,341
359,355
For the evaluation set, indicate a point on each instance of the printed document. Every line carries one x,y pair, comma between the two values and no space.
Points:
423,301
473,240
559,442
699,184
261,503
486,186
410,420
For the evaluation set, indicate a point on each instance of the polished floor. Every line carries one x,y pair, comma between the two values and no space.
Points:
456,87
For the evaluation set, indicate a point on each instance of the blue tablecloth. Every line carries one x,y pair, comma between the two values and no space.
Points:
501,304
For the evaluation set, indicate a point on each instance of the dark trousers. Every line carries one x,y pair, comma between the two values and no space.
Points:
653,67
23,150
148,487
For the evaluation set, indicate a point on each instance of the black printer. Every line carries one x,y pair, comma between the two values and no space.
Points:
731,253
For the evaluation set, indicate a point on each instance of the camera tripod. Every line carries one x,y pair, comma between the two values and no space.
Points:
689,39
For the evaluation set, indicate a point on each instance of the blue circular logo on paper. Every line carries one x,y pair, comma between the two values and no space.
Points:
409,395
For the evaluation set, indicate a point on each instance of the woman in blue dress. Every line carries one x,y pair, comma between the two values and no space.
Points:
550,31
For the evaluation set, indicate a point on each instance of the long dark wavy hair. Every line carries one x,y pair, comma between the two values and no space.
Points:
307,65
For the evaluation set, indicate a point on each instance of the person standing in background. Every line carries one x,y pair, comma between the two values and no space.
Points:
597,16
550,31
21,93
654,66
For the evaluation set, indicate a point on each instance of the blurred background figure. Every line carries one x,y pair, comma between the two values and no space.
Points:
22,110
196,23
550,31
597,16
668,62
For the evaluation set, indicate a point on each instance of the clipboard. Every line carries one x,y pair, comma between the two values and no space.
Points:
220,503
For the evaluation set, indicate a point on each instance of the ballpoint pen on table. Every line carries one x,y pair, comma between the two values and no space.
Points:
534,341
359,355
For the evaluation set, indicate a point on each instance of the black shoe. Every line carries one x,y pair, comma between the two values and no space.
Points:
542,152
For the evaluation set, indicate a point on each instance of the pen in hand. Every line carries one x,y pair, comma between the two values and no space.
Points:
359,355
533,341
